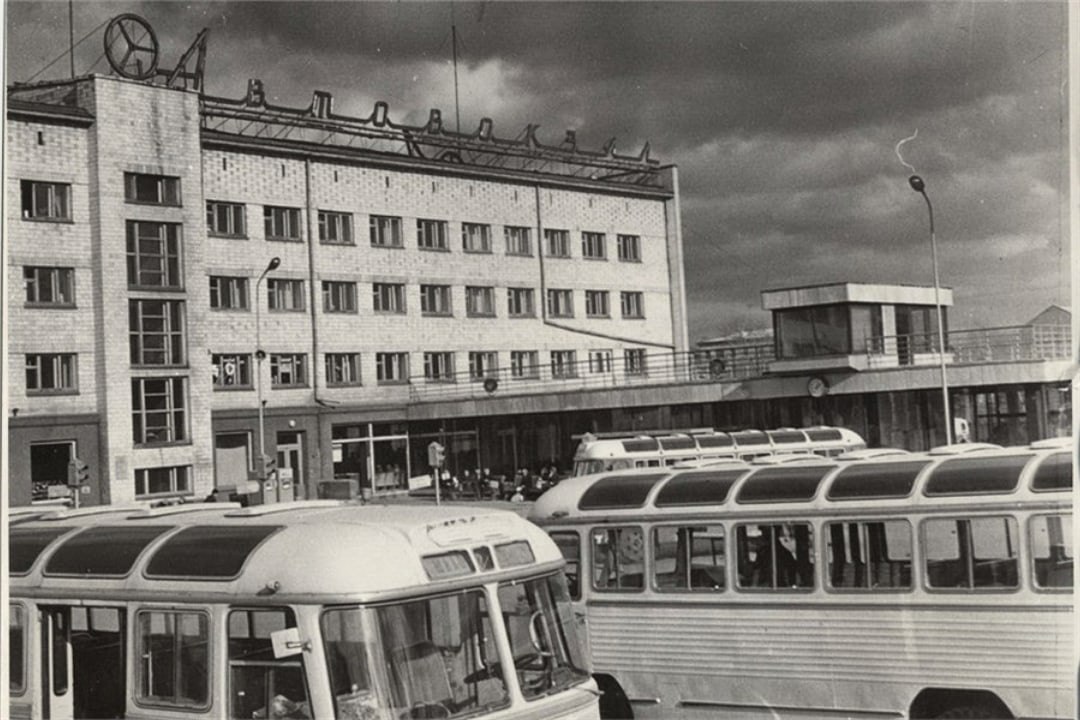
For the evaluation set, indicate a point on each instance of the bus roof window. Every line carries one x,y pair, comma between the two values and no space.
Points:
103,551
619,491
1054,473
207,551
714,441
783,484
706,487
783,437
27,544
876,480
646,444
679,442
750,437
963,475
824,434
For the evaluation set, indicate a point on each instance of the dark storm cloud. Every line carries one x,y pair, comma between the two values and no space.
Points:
782,118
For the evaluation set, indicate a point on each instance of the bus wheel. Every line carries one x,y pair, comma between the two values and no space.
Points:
613,701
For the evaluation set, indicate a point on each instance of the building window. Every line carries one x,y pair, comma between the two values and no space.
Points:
335,228
558,243
46,200
634,361
155,482
152,189
629,248
49,469
342,369
593,246
600,361
813,331
285,295
519,302
431,234
483,364
225,219
49,286
391,367
232,371
339,297
524,364
288,370
388,297
435,300
596,303
480,301
159,410
174,661
385,231
560,303
282,223
48,373
153,255
228,293
439,366
518,240
476,237
563,363
156,332
633,304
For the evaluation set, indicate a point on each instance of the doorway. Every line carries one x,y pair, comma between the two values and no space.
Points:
290,462
83,664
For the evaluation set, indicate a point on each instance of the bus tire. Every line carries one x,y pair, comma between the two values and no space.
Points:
614,705
943,703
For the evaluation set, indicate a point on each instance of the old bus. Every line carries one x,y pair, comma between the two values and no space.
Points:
620,451
912,585
314,609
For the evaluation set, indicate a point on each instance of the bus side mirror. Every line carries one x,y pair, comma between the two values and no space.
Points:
287,642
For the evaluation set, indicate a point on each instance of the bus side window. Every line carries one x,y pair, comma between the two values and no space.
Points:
16,648
775,556
971,553
570,545
174,658
618,558
1052,550
260,685
688,558
869,555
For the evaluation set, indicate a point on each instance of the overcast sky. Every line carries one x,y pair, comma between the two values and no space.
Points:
782,118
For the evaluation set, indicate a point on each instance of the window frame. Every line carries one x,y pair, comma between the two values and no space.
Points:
171,258
557,243
593,245
869,587
635,362
518,239
166,189
299,369
431,293
566,362
63,366
560,302
632,304
62,278
690,589
64,213
525,371
775,587
469,232
234,214
480,301
178,487
628,247
619,550
601,361
339,297
237,287
178,415
591,299
1015,540
379,226
517,298
439,366
244,363
140,698
432,235
392,295
173,332
280,289
335,225
483,364
283,223
352,363
398,361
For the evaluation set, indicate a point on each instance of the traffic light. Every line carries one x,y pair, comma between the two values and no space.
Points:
78,473
436,455
268,466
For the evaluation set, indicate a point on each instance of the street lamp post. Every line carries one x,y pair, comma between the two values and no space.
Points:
919,186
259,356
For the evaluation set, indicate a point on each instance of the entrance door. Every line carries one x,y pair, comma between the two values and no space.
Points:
82,666
290,458
57,698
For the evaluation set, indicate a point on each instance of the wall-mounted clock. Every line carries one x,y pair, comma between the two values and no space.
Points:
817,387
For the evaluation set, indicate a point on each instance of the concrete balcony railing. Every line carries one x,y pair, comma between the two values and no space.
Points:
964,347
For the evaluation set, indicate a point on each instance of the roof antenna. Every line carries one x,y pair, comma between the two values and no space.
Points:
71,35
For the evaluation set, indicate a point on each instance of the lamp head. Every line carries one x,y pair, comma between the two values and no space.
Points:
917,183
274,262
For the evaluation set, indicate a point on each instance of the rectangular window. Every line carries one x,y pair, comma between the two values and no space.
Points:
282,223
971,553
288,370
17,627
439,366
46,200
339,297
596,304
600,361
560,303
634,362
775,556
593,246
558,243
633,304
689,558
159,481
232,371
159,410
174,661
51,373
385,231
618,559
285,295
225,219
869,555
518,240
524,364
153,255
342,369
152,189
1052,550
476,237
629,248
388,297
431,234
260,685
228,293
519,302
335,228
156,332
480,301
49,285
483,364
563,363
391,367
435,300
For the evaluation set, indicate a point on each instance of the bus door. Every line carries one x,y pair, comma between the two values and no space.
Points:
82,668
